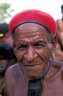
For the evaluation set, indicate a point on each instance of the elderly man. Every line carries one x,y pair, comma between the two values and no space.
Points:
33,32
59,35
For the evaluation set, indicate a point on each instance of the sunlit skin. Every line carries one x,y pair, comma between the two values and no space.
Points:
31,49
58,52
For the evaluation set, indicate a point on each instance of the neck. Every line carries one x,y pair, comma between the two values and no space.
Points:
35,87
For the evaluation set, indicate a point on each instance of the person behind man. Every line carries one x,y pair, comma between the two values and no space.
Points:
5,36
59,37
7,58
33,32
58,52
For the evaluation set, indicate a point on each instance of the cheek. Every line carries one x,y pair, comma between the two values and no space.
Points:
19,55
46,52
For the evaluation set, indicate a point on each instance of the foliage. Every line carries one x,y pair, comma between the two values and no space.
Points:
5,11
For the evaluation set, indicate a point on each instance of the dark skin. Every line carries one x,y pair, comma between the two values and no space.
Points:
4,64
58,52
29,48
59,32
33,50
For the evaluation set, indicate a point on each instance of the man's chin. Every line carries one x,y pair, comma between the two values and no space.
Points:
34,76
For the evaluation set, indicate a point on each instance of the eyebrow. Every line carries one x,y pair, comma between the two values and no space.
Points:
36,41
22,42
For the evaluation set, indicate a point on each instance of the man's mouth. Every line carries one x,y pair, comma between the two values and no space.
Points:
32,65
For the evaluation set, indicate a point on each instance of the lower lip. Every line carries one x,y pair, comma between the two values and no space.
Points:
32,66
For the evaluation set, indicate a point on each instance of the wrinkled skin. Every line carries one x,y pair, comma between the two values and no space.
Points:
31,49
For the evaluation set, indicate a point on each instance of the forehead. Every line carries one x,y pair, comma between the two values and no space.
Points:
30,31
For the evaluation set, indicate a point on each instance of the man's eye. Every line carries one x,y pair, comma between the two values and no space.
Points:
39,45
22,47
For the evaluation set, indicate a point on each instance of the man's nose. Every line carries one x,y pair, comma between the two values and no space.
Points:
30,54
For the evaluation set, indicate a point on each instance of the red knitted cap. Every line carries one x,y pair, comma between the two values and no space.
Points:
35,16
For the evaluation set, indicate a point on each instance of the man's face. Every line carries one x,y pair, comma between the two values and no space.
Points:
7,39
31,49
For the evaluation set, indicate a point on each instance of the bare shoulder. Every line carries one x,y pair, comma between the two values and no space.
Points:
12,70
11,76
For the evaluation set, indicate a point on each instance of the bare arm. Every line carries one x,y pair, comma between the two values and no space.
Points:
9,81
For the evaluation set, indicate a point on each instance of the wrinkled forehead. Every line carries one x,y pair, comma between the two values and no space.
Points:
29,29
